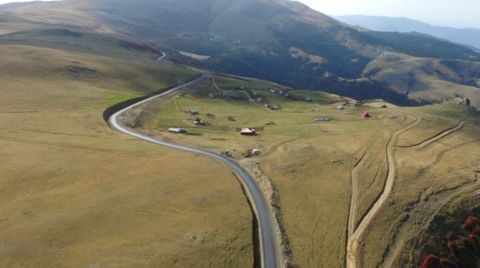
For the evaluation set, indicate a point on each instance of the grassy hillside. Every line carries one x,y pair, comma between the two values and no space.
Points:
310,163
420,45
436,187
258,38
427,79
76,194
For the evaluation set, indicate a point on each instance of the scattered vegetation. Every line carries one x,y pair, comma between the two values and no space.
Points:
462,250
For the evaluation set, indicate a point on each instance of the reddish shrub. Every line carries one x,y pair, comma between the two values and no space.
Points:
462,251
431,261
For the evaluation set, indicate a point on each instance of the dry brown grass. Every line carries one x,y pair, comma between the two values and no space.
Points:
309,163
75,194
428,179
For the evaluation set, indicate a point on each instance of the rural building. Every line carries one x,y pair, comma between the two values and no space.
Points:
322,119
177,130
352,102
198,121
366,115
194,112
251,153
248,131
272,107
341,107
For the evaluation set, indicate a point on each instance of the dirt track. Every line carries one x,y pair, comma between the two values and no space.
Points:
354,239
355,235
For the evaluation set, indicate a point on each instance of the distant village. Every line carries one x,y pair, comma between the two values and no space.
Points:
262,100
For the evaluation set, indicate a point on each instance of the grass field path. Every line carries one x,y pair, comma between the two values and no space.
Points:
354,239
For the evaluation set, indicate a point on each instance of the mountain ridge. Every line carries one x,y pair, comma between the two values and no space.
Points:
278,40
465,36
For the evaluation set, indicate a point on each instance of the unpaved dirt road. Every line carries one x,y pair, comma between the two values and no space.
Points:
354,239
355,235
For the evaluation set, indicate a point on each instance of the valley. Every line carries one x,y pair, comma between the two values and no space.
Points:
203,144
289,136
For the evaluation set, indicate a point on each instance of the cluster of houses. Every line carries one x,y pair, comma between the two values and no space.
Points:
285,93
200,122
252,131
347,103
458,100
281,92
263,100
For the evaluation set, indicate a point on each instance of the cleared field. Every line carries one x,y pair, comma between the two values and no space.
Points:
309,161
73,193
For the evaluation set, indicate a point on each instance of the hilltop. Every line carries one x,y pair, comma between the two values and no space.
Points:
277,40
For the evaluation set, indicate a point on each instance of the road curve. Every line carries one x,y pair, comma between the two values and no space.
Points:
270,253
161,57
354,241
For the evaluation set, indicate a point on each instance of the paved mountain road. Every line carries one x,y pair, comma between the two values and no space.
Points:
269,246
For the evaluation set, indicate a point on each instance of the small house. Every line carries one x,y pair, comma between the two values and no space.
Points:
248,132
341,107
251,153
194,112
177,130
198,121
272,106
366,115
322,119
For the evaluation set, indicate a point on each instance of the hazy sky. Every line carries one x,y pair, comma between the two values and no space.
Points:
458,13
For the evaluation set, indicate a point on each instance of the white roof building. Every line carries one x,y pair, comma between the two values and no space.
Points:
248,131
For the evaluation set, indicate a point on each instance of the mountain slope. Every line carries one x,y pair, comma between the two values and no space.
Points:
278,40
467,36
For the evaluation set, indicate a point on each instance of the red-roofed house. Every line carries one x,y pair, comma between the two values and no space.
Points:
366,115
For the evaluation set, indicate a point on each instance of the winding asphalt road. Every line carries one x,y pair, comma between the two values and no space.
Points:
270,253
